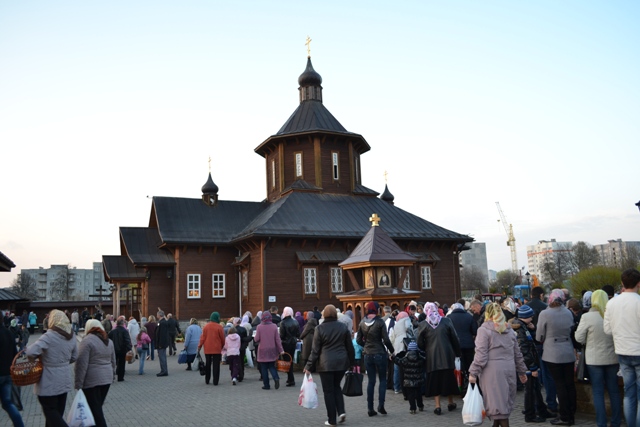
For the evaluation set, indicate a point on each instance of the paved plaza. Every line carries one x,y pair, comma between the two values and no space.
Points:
183,400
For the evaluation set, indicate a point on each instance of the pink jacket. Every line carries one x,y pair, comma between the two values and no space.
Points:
231,345
144,339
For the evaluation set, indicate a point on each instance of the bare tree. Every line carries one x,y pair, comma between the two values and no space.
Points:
59,288
630,257
25,286
584,256
506,279
472,278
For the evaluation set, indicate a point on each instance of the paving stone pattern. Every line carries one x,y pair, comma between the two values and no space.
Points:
182,399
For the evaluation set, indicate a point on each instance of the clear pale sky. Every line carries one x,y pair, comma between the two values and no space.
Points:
464,103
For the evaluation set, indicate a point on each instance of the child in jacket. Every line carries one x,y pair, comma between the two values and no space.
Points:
535,410
231,349
412,363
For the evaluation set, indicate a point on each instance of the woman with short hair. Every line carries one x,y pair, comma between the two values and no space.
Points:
191,340
331,355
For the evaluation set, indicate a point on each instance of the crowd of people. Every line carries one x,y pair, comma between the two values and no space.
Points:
423,350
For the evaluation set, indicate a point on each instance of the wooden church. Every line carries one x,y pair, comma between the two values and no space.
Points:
202,255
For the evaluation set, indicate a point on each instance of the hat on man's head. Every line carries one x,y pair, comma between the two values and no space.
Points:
372,307
412,346
525,312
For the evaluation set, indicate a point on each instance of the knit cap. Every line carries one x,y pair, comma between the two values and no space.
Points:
524,312
412,346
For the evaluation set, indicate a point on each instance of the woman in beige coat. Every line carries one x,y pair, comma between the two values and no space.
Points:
57,349
601,360
495,364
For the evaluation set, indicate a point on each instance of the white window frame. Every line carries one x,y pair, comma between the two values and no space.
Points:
218,285
298,164
310,280
194,286
335,162
425,273
336,280
407,280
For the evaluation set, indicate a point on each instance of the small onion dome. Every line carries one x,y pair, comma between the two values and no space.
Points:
309,77
386,195
209,187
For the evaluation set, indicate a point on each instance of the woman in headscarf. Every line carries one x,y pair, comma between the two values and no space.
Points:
95,368
586,301
300,320
289,333
509,308
307,337
134,330
254,327
191,340
399,332
57,349
151,326
247,317
269,347
601,359
373,337
212,339
437,338
331,356
554,332
495,364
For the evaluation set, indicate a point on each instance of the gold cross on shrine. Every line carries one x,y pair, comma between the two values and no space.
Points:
375,219
308,43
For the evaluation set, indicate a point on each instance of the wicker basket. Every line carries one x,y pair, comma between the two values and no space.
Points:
25,372
284,365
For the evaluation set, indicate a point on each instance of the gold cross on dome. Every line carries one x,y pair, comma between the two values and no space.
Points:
375,220
308,43
209,164
386,175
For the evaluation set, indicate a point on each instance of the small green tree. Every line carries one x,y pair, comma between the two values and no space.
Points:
25,286
595,278
505,280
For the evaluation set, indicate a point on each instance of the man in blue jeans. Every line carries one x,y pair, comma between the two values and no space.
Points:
7,353
622,320
373,337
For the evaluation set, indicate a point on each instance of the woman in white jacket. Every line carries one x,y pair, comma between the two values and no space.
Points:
601,360
397,336
134,330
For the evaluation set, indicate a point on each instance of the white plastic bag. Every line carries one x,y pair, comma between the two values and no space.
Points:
247,354
473,410
80,415
308,397
457,364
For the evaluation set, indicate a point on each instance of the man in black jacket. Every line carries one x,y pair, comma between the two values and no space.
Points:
121,344
162,342
466,329
174,330
245,338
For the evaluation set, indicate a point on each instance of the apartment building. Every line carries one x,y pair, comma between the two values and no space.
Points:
542,252
64,283
613,252
475,260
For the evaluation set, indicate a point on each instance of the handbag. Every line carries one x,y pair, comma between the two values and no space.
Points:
308,397
201,366
129,357
80,414
182,357
473,412
352,384
582,373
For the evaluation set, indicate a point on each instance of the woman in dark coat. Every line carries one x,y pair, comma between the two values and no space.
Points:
307,337
331,355
496,362
437,338
289,333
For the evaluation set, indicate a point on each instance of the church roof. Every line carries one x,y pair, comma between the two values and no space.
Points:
311,116
377,247
5,263
142,246
120,267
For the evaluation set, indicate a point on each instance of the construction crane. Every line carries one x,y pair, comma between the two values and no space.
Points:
512,240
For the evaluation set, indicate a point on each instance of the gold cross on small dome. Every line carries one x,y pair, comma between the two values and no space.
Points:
308,43
375,219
